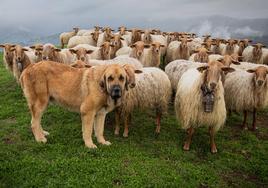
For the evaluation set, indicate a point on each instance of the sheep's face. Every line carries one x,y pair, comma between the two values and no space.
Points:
8,52
184,42
19,54
116,79
260,75
81,53
170,37
202,55
147,36
95,35
48,52
116,40
122,30
228,60
38,49
76,29
231,43
213,72
136,35
108,33
105,50
139,48
97,28
156,47
257,50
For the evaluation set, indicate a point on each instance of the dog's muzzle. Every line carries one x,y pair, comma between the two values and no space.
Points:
116,92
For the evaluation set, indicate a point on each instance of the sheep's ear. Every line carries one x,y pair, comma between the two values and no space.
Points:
73,51
254,45
87,66
163,46
147,45
137,71
89,51
235,62
251,70
25,49
189,40
133,46
57,50
263,46
122,38
227,69
202,69
74,65
2,45
32,47
12,49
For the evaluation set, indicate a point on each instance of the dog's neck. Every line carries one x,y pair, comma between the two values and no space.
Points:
112,103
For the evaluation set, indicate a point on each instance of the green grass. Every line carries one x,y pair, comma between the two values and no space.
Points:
142,160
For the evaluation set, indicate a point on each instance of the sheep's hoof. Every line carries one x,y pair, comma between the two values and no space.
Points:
214,150
186,147
156,135
125,135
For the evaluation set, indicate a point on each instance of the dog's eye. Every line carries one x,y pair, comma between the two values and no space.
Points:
121,78
110,78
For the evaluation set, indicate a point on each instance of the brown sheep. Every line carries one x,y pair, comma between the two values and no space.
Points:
8,56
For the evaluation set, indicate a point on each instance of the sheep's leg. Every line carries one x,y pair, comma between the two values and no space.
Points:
117,122
126,124
188,141
213,147
245,127
158,121
254,119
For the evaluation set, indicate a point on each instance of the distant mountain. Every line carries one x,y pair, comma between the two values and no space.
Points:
218,26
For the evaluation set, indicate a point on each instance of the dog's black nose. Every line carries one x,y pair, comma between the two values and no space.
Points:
116,92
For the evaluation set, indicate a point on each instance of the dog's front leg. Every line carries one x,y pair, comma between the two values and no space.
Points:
87,127
99,127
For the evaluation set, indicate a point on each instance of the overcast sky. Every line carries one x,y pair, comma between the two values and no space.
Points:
50,16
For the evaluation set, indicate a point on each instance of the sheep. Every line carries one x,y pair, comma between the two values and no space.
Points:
82,54
151,56
201,55
256,53
83,32
169,37
86,39
118,43
126,50
105,36
8,56
38,48
135,35
242,44
152,90
178,50
103,52
123,31
247,91
20,61
137,50
175,70
146,36
65,37
50,52
192,110
214,57
230,48
246,65
195,45
216,46
129,60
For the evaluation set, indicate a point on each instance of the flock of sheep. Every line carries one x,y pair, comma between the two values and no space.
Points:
206,75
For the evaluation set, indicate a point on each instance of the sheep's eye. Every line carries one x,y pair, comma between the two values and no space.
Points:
121,78
110,78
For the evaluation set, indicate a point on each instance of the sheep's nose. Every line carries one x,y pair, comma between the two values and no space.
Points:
260,82
212,85
139,53
82,58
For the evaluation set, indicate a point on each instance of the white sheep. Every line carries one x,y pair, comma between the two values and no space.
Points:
152,90
247,91
178,50
256,54
91,40
151,56
192,110
65,37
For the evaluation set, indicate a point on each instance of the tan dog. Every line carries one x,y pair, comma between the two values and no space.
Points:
93,92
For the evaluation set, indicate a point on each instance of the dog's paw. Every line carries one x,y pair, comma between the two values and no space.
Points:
116,133
107,143
41,139
125,135
45,133
91,145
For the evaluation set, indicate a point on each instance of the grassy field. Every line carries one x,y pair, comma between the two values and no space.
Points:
142,160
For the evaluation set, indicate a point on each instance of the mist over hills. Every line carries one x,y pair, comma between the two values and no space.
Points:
218,26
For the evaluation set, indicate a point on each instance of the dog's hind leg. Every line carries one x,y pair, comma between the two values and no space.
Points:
99,127
37,108
117,122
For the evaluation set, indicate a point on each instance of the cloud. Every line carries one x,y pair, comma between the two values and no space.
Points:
247,31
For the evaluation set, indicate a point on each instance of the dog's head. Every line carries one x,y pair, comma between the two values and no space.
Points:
117,78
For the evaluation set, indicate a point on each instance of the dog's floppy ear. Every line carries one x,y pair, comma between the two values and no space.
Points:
103,84
130,80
